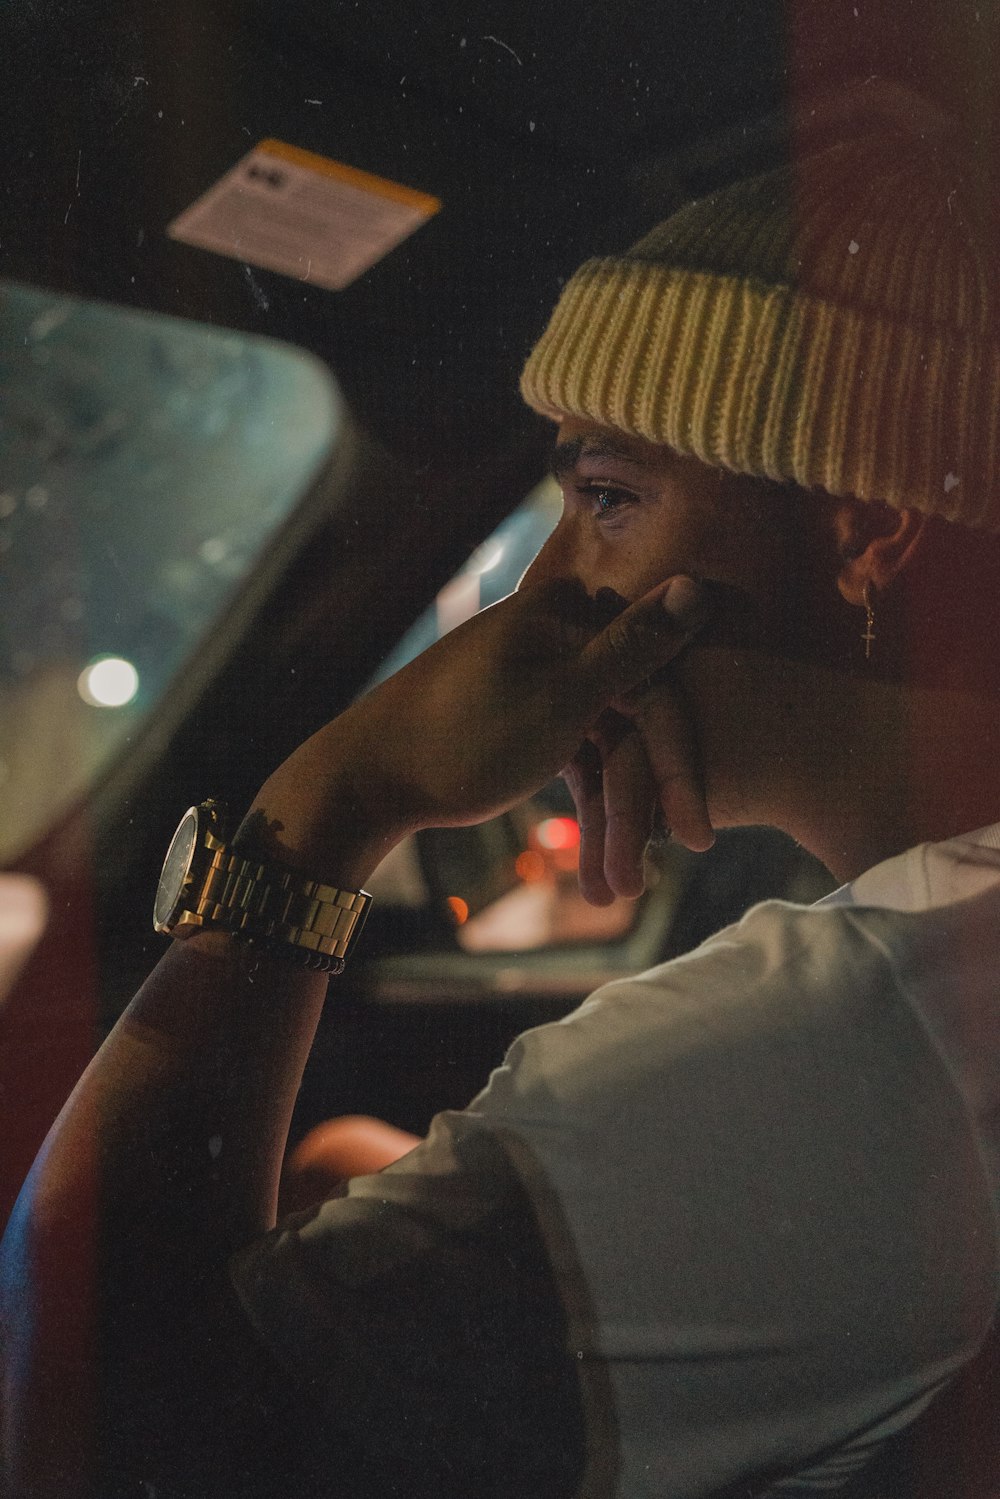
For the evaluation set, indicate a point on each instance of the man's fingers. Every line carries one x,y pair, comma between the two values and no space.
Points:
644,637
634,646
584,777
647,758
673,759
629,803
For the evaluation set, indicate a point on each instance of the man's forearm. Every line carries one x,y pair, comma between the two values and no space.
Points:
164,1160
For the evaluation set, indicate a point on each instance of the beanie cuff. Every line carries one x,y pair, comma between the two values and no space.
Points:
771,381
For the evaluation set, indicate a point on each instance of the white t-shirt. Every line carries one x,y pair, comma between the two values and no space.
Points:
764,1179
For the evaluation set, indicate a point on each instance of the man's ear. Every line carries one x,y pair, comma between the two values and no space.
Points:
876,543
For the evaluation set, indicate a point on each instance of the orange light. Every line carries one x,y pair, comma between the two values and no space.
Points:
459,909
558,833
530,866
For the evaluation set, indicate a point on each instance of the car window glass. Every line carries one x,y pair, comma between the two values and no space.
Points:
494,570
146,466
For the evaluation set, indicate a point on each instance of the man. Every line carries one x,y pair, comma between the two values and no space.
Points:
733,1223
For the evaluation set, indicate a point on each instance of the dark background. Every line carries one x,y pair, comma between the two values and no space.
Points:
550,132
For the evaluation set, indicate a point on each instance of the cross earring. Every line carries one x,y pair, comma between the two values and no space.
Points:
869,633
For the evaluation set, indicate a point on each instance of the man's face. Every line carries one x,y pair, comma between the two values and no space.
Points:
636,513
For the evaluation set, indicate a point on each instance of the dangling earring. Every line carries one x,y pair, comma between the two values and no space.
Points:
869,634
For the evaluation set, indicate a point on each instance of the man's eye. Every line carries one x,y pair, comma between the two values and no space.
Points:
606,500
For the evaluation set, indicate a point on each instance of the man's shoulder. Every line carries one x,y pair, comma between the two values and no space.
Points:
780,959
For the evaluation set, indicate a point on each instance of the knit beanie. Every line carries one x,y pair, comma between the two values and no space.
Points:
831,322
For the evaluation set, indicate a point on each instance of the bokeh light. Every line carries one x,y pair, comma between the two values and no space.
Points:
558,833
530,866
108,682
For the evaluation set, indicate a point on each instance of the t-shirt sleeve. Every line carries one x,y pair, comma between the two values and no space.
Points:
420,1318
728,1218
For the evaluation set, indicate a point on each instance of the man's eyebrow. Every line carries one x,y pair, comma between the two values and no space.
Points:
566,455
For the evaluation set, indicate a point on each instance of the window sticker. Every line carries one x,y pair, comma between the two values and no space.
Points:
288,210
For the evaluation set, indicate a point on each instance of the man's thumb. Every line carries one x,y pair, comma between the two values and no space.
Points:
644,637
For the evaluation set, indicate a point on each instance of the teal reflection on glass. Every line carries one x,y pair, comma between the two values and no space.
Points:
146,466
494,570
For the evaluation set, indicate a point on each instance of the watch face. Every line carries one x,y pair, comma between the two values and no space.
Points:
175,871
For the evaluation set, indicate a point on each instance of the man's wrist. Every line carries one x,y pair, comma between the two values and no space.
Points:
337,851
209,882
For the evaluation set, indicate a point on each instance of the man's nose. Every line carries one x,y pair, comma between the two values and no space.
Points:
558,558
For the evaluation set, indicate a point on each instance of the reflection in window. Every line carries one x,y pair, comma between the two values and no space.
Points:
146,466
544,908
491,573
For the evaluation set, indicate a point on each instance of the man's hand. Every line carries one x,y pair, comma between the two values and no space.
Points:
484,718
637,770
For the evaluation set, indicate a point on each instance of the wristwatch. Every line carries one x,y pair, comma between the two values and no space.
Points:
206,885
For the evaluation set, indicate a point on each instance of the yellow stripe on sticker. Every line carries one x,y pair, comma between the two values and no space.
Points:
366,181
288,210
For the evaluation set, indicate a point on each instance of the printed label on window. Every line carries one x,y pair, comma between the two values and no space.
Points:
288,210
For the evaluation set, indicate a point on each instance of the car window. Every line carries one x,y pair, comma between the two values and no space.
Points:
147,468
492,571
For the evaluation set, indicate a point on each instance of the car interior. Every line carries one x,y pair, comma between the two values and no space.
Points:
237,490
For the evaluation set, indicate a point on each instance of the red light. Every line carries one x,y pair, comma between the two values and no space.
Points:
530,867
459,908
558,833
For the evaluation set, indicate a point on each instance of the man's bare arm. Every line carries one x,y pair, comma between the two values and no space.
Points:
166,1158
163,1162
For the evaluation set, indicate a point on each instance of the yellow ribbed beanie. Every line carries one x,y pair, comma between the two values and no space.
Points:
832,323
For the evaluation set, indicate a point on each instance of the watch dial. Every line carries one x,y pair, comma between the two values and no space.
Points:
175,870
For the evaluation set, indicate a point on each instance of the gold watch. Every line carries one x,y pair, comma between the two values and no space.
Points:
206,885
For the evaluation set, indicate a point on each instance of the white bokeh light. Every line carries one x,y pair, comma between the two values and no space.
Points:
109,682
486,557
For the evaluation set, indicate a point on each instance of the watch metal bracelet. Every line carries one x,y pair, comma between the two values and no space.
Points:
261,901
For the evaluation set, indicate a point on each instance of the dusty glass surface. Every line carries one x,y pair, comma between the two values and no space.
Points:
145,465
